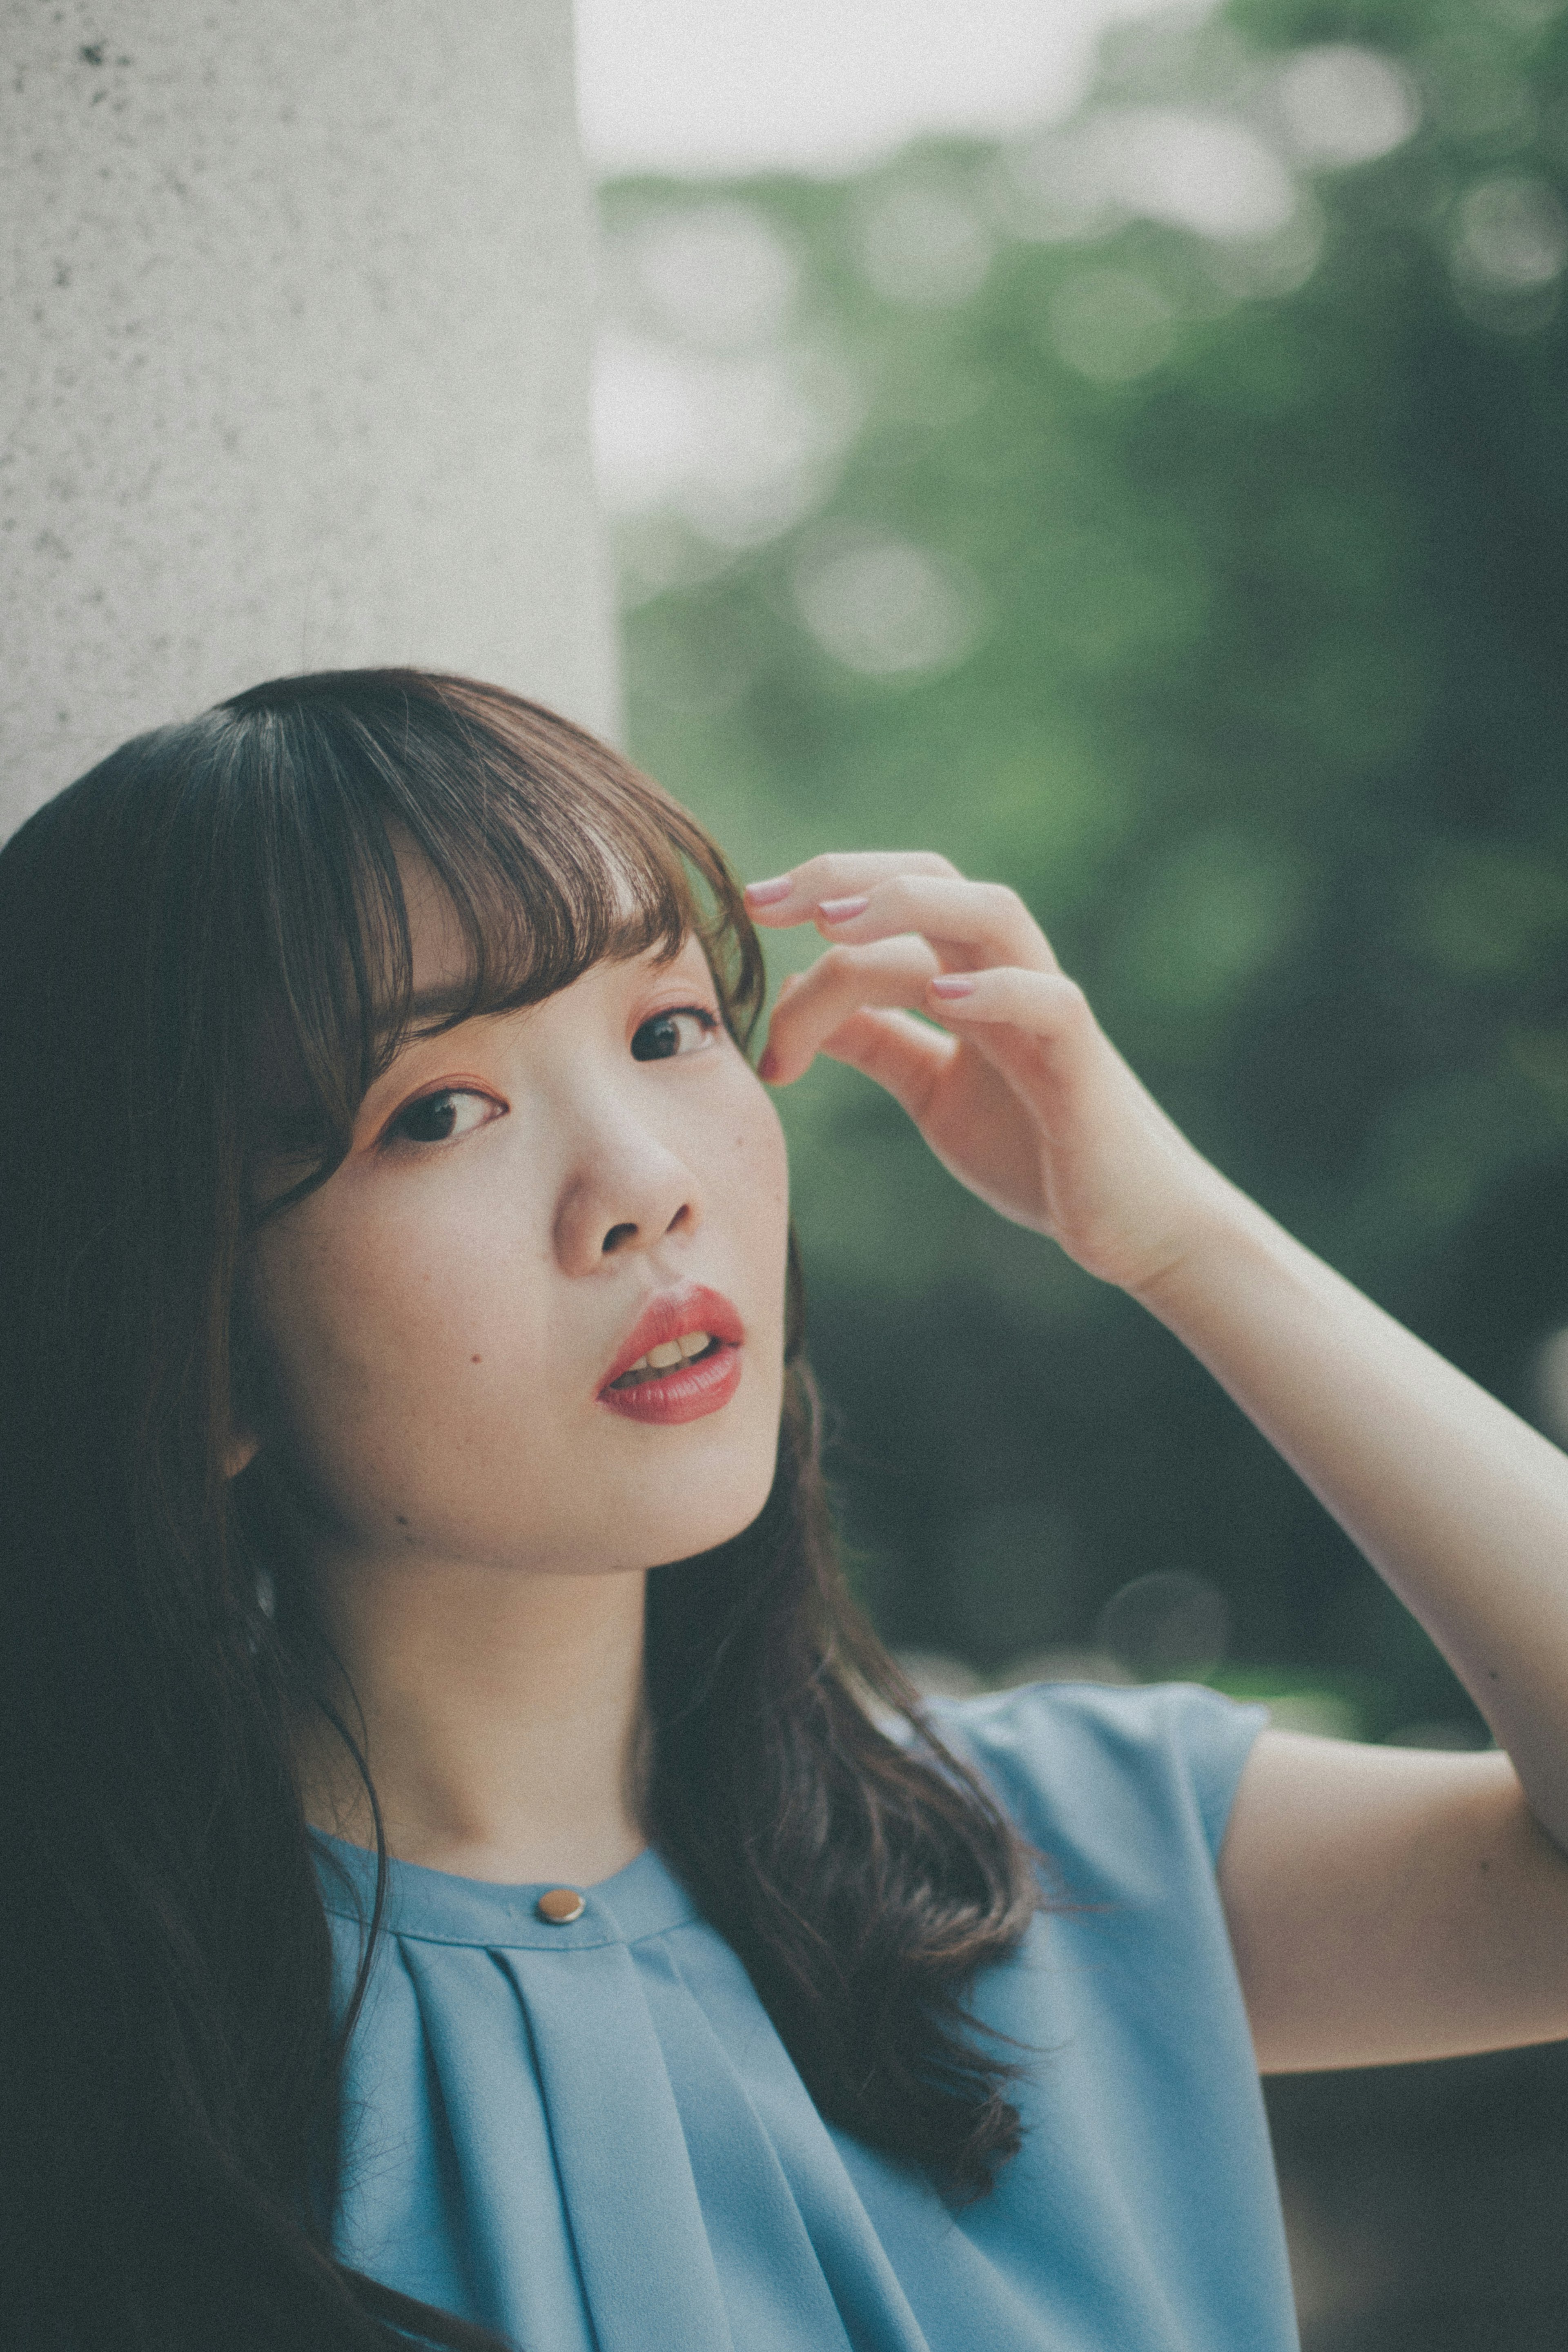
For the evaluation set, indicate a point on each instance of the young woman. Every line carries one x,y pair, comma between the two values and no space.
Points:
470,1877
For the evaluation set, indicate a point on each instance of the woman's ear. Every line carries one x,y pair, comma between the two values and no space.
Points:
242,1450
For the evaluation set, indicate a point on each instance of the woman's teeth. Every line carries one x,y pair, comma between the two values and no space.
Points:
670,1352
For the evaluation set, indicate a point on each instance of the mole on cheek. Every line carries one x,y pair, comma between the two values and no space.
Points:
473,1360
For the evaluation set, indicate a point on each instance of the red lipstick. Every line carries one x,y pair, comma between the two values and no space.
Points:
681,1391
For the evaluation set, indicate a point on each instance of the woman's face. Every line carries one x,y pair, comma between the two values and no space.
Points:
450,1318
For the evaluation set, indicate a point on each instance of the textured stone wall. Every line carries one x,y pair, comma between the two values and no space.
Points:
293,360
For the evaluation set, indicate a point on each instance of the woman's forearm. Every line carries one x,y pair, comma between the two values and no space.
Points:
1461,1506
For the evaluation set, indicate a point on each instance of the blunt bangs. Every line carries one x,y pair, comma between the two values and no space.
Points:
552,854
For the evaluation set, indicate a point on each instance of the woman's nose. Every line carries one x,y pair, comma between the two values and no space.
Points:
627,1193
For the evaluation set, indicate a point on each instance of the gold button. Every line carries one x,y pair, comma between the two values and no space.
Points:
560,1906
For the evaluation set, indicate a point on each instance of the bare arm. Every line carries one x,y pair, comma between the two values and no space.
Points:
1458,1504
1385,1905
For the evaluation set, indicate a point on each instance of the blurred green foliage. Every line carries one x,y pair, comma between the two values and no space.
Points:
1207,579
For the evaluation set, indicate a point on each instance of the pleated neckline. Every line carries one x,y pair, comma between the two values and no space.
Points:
436,1907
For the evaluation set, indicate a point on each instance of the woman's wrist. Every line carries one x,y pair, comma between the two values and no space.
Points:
1220,1232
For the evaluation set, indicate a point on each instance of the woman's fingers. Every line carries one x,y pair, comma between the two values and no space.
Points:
1037,1004
911,935
855,1005
795,897
906,1058
970,923
846,981
1018,1092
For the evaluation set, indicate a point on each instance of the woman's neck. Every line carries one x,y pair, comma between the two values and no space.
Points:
503,1719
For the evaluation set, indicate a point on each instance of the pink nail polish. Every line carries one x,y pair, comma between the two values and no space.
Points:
954,983
767,894
842,911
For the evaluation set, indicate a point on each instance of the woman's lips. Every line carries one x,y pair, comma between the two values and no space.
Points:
702,1384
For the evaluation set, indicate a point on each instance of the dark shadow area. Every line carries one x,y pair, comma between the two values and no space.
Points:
1427,2205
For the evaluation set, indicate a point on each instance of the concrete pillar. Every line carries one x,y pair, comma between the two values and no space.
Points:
293,360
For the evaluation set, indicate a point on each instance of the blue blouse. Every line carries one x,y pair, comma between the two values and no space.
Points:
590,2137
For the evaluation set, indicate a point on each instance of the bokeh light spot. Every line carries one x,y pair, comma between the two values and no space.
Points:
1170,1626
923,245
718,274
1341,105
1112,325
883,606
1510,234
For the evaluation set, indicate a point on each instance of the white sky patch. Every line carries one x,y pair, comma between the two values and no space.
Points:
710,87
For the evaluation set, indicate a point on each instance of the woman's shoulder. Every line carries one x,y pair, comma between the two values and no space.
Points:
1103,1771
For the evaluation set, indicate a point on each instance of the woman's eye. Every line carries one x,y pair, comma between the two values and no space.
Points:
683,1030
437,1118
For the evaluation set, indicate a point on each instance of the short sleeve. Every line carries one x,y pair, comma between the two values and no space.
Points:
1105,1773
1142,2209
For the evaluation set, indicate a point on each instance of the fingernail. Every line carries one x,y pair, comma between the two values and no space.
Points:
767,894
954,983
842,911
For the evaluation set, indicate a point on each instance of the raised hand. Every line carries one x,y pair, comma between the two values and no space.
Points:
1024,1099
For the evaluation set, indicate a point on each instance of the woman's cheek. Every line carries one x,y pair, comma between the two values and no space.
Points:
355,1306
430,1298
763,1149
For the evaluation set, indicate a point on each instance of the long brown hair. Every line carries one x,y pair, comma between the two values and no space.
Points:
203,957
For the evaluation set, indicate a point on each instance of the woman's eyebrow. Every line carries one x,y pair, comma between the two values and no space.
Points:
440,1003
426,1006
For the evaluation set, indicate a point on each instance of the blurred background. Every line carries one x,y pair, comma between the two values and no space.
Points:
1128,452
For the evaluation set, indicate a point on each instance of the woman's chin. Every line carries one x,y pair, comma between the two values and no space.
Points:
686,1535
